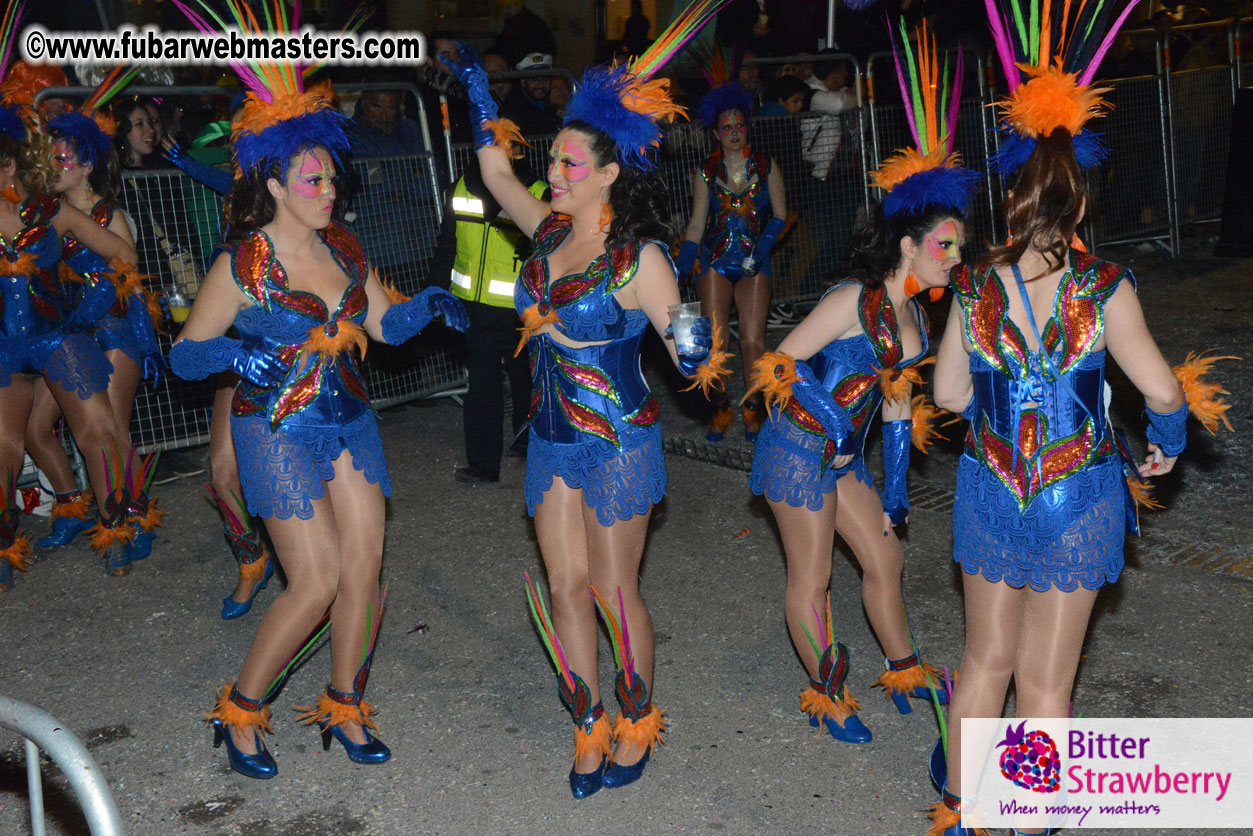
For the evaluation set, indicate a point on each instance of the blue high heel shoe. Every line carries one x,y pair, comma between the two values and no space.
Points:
64,530
583,784
234,609
853,730
720,423
372,751
618,775
337,707
260,765
938,766
140,547
236,709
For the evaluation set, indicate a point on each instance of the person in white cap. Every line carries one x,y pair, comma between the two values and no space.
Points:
527,104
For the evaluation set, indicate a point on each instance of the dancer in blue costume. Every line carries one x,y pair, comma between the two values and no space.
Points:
738,211
42,337
297,288
89,179
1043,497
855,355
600,275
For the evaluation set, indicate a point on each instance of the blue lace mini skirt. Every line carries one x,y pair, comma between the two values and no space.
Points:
787,466
283,471
617,484
114,332
70,360
1071,534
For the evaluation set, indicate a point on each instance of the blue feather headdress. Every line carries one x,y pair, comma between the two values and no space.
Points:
90,129
930,173
724,97
280,117
627,103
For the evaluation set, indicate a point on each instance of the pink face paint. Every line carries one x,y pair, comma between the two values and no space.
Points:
944,244
62,157
315,178
731,122
571,162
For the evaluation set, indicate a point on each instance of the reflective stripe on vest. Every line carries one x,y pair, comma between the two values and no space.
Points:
485,265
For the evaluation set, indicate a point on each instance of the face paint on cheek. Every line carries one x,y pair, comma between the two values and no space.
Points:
312,167
63,158
574,172
942,245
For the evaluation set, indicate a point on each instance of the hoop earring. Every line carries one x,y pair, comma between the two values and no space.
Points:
912,285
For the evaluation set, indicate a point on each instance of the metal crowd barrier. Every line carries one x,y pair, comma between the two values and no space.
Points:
42,731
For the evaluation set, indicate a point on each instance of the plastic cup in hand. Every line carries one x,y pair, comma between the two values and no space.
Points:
750,266
179,307
681,319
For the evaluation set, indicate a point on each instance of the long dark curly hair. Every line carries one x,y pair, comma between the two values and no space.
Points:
874,250
638,198
249,204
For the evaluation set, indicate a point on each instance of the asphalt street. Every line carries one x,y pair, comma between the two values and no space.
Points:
467,699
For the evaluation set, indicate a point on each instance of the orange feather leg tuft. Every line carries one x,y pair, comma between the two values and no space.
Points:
598,742
18,554
235,716
647,731
903,682
328,712
817,704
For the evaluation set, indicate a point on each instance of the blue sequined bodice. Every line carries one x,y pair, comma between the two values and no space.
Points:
735,219
32,300
323,386
583,303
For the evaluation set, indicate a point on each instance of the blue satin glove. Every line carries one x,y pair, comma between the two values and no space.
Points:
686,262
702,339
1169,431
405,320
896,438
820,403
765,243
197,359
469,71
175,154
140,321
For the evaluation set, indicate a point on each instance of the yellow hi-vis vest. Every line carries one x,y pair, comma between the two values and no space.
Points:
486,263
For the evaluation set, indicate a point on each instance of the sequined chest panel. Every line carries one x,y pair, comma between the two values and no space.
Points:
31,291
82,266
1039,416
323,386
735,218
857,370
591,392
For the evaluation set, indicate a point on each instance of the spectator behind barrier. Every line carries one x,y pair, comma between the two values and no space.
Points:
524,32
833,200
500,90
559,94
387,213
527,104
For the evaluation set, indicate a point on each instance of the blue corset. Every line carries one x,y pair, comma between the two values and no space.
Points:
32,302
593,392
841,360
334,393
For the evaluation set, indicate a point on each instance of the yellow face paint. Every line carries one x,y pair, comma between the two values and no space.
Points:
570,162
945,242
315,178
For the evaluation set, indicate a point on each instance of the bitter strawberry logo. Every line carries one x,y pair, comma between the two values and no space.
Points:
1030,759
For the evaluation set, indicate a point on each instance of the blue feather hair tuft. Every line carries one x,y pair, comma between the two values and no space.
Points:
11,122
1015,149
949,187
83,134
726,96
598,102
286,139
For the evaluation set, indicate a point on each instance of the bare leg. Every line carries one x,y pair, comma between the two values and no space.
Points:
309,553
752,300
122,387
223,468
360,517
563,542
42,443
994,623
859,522
91,421
808,538
1053,626
614,555
15,407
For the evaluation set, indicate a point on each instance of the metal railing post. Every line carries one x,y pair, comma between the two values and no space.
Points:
42,730
1168,141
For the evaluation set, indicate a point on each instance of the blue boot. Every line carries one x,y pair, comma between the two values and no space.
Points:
144,516
72,514
828,701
